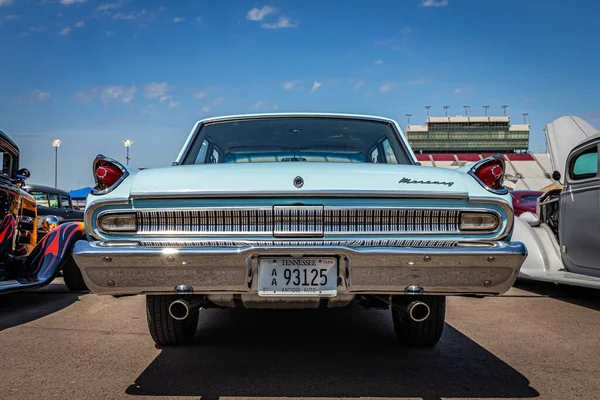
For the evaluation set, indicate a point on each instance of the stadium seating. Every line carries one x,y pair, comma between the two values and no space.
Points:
523,171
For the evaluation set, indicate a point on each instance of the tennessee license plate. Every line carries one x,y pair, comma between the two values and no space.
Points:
306,276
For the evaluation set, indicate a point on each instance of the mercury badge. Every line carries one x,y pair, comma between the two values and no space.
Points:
298,181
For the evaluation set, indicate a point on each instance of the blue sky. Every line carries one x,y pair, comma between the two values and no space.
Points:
93,73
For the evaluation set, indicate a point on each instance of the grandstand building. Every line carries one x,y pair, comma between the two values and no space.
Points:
463,134
453,142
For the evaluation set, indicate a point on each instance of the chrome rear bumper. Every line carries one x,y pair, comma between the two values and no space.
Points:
367,270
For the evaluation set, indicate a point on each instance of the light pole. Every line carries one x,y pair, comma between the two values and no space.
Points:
56,144
446,110
427,108
525,117
504,107
485,108
408,118
127,143
466,110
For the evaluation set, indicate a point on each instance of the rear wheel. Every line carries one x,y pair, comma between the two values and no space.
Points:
72,276
426,333
165,330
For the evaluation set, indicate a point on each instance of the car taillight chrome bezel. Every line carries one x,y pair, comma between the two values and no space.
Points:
492,225
499,187
100,187
103,222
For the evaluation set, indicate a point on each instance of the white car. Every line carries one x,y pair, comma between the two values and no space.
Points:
298,211
563,239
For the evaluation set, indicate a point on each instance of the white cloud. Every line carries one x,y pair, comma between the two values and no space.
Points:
177,20
385,87
378,62
71,2
122,93
358,84
9,18
275,106
205,108
109,6
80,24
257,14
130,16
200,94
5,3
218,101
65,31
316,85
41,96
165,98
257,105
418,81
434,3
173,104
457,90
289,85
156,90
282,22
109,33
85,97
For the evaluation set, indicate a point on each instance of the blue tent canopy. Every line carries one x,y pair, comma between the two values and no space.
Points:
80,194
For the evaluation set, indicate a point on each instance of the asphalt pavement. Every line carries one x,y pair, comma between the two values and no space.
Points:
538,341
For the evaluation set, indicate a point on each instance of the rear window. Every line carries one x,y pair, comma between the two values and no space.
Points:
296,139
530,198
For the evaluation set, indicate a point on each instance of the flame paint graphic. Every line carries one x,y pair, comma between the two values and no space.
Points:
7,230
53,250
7,227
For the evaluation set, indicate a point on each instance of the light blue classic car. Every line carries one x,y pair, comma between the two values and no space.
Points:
298,211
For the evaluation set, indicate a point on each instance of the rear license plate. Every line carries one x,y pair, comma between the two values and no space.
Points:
307,276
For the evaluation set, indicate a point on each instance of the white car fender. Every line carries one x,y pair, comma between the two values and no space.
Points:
543,249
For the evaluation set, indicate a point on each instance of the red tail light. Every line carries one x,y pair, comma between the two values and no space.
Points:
490,173
108,174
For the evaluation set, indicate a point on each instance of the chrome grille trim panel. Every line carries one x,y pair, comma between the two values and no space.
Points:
298,221
290,243
293,221
212,221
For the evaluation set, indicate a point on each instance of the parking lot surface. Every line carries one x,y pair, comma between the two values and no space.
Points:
538,341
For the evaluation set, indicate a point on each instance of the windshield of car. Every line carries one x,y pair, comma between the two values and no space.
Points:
296,139
41,198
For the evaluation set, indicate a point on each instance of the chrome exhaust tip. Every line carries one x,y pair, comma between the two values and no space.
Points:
179,310
418,311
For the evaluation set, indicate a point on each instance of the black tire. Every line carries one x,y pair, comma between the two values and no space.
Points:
72,276
421,334
165,330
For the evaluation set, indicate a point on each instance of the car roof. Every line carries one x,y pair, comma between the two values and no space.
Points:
296,114
4,137
42,188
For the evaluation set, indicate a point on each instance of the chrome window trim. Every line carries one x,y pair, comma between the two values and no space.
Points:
392,123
